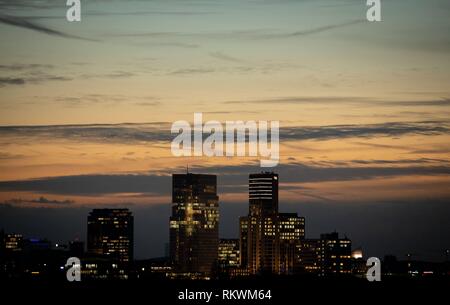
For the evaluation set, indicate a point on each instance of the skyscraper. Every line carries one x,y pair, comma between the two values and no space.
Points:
194,224
269,240
292,231
110,234
263,251
336,254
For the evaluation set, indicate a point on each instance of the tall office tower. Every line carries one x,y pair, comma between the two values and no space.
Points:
336,254
110,234
194,224
292,231
263,252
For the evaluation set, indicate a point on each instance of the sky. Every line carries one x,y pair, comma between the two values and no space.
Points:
86,110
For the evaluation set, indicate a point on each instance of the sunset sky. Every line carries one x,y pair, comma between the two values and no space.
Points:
364,108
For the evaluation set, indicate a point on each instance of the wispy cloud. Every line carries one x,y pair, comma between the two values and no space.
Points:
390,129
14,5
230,112
169,44
236,176
225,57
29,73
119,133
148,104
24,66
256,34
147,13
423,103
119,74
25,23
39,201
315,30
350,100
191,71
110,99
138,133
304,100
93,184
4,81
9,156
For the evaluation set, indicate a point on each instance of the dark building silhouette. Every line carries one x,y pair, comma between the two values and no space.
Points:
13,242
76,248
110,234
243,241
310,255
336,254
36,244
359,267
194,224
329,255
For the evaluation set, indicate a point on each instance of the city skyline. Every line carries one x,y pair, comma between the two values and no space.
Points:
193,195
160,249
269,244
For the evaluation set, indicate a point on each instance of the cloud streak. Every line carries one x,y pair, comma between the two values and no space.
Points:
312,31
14,81
160,131
23,66
349,100
5,81
225,57
106,99
41,201
254,34
24,23
231,177
191,71
390,129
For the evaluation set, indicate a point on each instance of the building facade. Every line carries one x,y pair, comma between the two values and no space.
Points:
269,240
228,253
110,234
291,229
310,255
336,254
194,224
